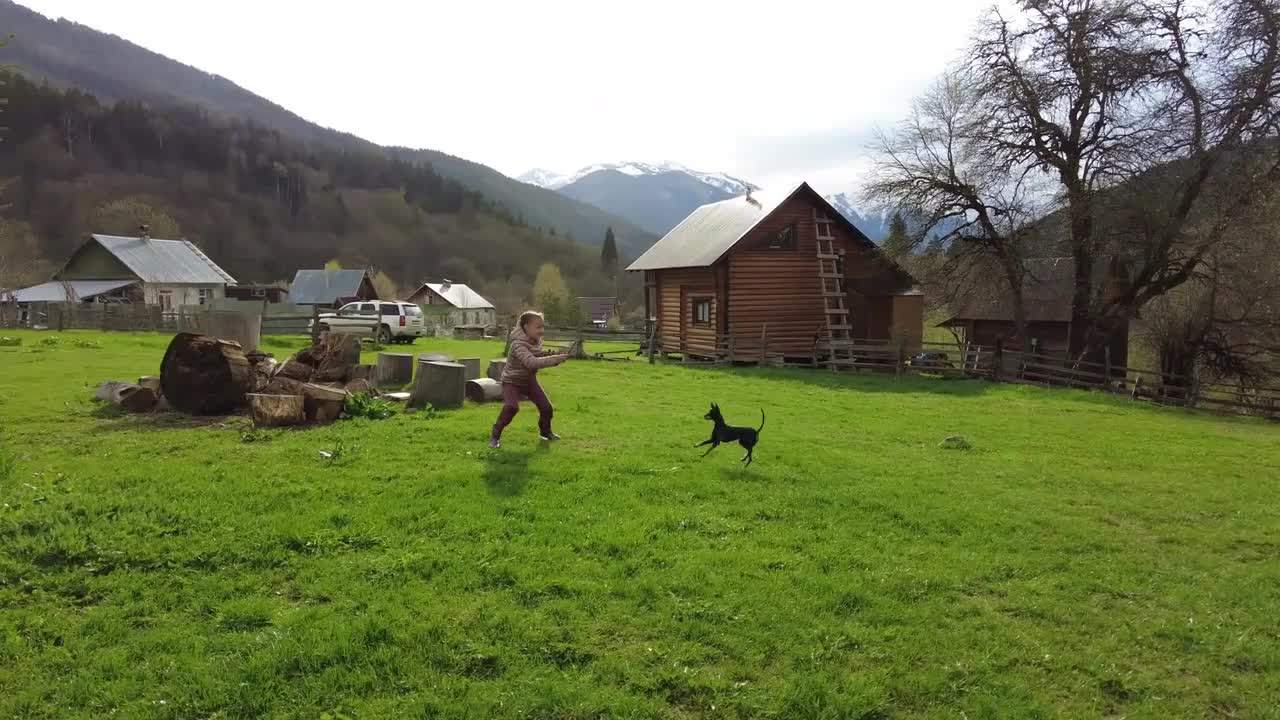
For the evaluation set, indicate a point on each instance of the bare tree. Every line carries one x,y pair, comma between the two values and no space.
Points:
934,168
1098,96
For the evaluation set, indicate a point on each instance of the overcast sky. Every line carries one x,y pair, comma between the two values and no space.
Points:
773,91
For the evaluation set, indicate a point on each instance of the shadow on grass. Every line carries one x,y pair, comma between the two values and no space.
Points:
116,420
506,472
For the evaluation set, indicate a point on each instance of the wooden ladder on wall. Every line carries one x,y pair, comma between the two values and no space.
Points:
835,301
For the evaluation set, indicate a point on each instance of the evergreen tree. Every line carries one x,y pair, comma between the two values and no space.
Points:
609,253
898,243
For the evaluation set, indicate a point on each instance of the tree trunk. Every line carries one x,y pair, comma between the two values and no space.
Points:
204,376
322,404
277,410
484,390
1081,213
439,384
393,370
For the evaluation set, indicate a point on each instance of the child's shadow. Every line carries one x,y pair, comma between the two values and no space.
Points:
507,472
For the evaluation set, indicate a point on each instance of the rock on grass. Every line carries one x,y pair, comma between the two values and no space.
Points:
955,442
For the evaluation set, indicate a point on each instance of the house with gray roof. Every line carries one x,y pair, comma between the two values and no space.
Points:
456,304
331,288
142,269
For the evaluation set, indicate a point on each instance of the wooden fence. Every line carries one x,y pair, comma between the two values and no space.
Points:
996,364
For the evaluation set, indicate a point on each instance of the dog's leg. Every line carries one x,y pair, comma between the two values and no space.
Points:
705,442
714,445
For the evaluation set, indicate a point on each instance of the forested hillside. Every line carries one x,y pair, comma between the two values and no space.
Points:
260,202
69,55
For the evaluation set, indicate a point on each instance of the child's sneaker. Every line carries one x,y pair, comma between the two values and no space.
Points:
494,443
549,437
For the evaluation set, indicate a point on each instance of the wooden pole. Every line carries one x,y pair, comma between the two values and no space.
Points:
997,363
315,324
653,339
764,342
1106,368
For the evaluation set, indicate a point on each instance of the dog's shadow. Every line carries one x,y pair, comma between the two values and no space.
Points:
739,474
506,472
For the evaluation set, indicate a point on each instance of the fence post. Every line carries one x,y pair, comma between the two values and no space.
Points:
764,342
653,339
315,324
902,357
997,359
1106,368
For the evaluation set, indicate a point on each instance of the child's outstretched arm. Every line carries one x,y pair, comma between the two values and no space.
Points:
533,361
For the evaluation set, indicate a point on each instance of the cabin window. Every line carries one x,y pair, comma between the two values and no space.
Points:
259,292
202,295
784,240
166,300
702,311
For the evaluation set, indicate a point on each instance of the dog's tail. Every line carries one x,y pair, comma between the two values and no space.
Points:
761,420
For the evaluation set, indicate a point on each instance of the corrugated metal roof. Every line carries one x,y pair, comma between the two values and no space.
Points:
165,261
56,291
460,296
322,287
700,239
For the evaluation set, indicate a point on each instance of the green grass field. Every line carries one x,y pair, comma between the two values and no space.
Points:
1087,558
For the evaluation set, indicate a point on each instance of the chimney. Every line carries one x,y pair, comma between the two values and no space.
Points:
144,232
444,285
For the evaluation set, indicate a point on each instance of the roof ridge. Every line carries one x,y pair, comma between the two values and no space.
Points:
209,261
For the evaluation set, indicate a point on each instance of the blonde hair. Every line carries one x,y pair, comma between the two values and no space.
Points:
528,315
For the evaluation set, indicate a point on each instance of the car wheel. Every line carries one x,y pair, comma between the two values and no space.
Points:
384,335
410,340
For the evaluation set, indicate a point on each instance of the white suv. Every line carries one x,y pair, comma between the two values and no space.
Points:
396,321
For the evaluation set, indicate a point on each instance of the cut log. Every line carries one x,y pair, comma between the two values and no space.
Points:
277,410
438,384
132,398
472,366
204,376
281,385
105,390
484,390
296,369
151,382
434,357
495,369
331,373
361,385
323,404
394,370
361,372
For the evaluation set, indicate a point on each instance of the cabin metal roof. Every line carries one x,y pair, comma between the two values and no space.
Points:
321,287
459,295
56,290
165,262
710,231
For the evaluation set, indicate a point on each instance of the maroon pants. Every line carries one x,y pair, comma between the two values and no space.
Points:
511,394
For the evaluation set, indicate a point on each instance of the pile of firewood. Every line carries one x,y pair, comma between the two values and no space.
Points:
201,375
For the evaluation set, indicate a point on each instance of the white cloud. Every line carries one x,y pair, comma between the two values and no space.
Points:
772,91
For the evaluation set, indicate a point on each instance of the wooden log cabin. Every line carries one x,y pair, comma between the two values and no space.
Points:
778,272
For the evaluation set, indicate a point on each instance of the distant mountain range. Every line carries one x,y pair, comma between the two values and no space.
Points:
657,196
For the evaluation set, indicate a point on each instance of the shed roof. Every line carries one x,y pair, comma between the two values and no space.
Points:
459,295
56,290
321,287
153,260
711,230
1046,294
597,307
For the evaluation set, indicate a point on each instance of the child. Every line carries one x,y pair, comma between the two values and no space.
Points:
520,376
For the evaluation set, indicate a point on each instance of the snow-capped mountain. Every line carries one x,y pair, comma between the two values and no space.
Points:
655,196
873,223
544,178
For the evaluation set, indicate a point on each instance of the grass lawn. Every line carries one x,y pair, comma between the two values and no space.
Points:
1087,558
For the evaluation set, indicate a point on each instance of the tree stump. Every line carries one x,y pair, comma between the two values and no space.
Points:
361,372
277,410
201,375
393,369
434,357
296,369
360,385
483,390
126,396
439,384
281,385
495,369
323,405
472,366
243,329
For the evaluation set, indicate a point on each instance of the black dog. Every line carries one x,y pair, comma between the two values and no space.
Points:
725,433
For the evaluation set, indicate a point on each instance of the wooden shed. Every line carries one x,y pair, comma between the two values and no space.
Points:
783,270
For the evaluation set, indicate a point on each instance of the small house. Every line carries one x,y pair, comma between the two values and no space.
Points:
984,315
456,304
782,270
598,311
168,273
269,292
331,288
